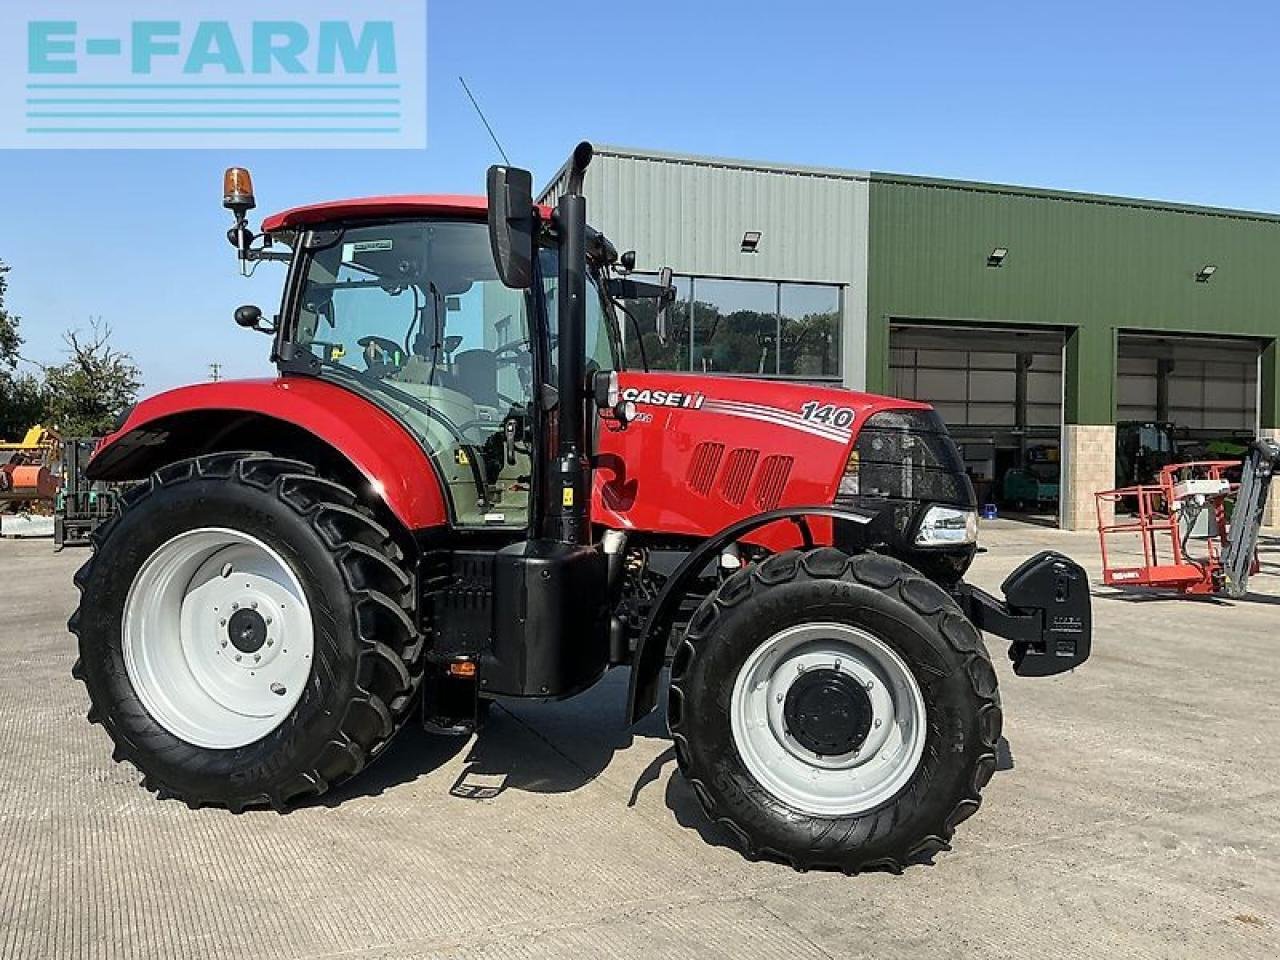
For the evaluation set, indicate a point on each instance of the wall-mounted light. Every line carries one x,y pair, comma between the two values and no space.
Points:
1206,272
996,257
751,240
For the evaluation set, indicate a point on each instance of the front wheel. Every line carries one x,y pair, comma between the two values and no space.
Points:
834,711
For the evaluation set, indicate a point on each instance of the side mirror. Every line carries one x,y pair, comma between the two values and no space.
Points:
250,317
660,320
512,224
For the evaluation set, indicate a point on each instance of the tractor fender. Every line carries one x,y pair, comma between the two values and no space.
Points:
646,665
231,414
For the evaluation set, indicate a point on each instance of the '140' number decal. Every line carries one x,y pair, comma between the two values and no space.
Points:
828,414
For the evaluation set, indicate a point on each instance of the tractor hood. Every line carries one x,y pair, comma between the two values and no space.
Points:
706,451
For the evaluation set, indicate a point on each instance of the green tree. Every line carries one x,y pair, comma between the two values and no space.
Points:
86,394
10,340
22,404
21,395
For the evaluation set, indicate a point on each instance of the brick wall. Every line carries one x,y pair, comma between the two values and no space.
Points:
1088,465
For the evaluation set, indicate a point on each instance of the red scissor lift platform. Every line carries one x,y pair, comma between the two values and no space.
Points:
1160,517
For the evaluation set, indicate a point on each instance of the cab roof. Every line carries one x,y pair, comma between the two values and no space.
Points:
361,208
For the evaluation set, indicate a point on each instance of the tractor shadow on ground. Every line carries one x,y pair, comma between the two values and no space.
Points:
413,753
554,747
550,749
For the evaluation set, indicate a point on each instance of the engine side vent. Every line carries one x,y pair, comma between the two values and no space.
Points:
703,467
772,481
737,474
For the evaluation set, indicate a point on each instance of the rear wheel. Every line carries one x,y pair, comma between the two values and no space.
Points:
246,632
834,711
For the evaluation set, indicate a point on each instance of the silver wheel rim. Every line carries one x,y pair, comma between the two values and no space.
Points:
196,679
832,786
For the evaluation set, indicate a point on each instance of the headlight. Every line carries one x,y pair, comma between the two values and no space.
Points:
849,485
947,526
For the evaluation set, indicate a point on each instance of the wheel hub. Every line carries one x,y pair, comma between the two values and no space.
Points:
828,712
828,718
218,637
247,630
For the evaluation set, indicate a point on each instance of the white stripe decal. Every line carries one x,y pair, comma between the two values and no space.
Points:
797,424
793,423
780,417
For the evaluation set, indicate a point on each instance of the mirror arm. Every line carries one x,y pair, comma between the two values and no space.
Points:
279,256
623,288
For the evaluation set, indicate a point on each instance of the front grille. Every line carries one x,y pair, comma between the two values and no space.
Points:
903,461
908,455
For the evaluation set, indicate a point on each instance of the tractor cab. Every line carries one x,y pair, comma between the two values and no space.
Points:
401,302
412,314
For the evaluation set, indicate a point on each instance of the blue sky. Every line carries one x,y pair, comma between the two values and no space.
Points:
1168,100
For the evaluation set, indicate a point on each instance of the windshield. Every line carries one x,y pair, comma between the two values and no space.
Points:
420,305
602,345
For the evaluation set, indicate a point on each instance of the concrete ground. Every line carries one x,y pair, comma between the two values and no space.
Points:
1136,814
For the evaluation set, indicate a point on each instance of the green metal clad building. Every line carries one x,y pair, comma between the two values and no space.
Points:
1034,320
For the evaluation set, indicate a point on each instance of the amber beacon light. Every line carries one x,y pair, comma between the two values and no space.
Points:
237,190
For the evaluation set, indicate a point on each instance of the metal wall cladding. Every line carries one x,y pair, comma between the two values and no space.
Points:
1074,260
691,214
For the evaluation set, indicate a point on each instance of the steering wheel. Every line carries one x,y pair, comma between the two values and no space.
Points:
510,353
392,355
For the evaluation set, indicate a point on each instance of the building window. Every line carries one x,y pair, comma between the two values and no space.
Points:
742,327
735,327
809,321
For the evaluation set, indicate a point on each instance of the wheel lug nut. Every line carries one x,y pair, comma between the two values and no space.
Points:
268,621
222,622
254,605
278,689
271,643
238,658
257,657
224,643
235,606
870,684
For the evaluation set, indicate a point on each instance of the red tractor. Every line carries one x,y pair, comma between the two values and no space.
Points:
454,492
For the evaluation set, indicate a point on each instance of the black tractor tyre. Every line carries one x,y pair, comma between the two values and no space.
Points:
366,666
921,624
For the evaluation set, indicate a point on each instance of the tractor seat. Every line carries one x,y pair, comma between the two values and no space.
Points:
475,373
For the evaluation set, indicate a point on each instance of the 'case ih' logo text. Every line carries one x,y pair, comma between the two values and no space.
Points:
663,398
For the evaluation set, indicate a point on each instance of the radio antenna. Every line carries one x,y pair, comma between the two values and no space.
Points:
493,136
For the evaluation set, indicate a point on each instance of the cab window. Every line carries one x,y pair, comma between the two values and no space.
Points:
413,316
